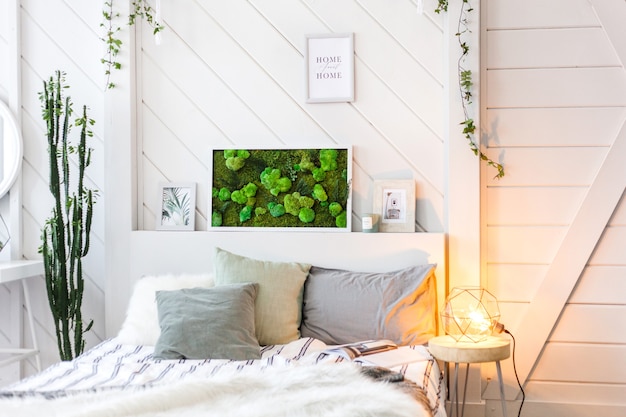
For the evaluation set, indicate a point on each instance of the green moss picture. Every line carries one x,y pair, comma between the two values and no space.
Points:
286,188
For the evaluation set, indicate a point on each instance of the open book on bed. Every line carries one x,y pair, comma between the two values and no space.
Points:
383,353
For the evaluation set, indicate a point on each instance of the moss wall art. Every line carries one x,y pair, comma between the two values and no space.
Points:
281,188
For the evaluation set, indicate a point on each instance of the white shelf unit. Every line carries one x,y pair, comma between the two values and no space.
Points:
14,271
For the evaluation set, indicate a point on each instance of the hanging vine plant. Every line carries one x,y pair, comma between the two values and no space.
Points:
140,9
466,84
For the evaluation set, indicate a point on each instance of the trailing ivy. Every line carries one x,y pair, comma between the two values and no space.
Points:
466,84
111,41
140,9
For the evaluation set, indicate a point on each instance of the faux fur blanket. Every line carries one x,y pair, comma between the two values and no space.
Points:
329,390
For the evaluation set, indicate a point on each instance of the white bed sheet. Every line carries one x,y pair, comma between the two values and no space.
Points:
115,366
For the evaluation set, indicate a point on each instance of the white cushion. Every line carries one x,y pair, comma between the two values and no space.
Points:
141,326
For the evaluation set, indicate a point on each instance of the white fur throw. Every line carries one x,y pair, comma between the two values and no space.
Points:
328,390
141,326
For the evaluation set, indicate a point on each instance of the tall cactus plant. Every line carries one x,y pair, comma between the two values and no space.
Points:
65,235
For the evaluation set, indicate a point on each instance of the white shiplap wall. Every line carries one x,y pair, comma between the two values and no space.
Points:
554,102
238,82
53,34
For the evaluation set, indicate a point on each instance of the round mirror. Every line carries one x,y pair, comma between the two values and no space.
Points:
10,149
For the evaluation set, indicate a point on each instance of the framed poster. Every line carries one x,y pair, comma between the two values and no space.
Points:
177,206
394,201
281,189
329,68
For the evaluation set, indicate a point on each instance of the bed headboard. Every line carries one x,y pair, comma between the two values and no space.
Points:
191,252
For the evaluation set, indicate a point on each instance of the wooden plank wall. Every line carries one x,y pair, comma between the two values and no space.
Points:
53,34
554,102
238,81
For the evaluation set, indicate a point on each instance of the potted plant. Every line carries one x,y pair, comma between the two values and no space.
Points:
65,235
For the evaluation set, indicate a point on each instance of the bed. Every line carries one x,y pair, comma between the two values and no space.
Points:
253,338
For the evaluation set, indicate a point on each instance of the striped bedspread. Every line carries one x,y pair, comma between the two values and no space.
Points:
114,367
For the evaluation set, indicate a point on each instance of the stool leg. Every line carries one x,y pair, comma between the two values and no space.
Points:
455,402
467,366
446,378
502,399
452,387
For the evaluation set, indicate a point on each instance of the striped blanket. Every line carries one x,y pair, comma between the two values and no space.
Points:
297,379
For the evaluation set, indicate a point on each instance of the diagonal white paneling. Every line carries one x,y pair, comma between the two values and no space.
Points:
239,82
74,47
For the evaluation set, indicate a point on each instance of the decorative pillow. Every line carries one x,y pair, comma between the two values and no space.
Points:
279,301
343,306
141,326
208,323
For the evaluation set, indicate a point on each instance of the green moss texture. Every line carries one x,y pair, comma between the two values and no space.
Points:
280,188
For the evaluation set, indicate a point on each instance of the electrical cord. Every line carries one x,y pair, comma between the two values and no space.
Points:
519,413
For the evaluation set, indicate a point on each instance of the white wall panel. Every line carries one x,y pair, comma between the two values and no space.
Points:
533,205
246,83
548,166
571,126
557,87
515,282
580,323
540,48
507,14
601,284
610,247
577,393
597,363
523,245
397,18
553,106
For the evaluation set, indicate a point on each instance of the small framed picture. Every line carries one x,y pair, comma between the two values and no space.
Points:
329,68
177,203
394,201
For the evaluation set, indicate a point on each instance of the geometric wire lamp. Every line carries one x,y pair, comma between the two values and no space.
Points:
471,314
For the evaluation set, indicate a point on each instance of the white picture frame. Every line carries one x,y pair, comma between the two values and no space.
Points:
394,201
176,206
329,68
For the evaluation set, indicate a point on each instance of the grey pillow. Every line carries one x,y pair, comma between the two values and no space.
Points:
207,323
344,306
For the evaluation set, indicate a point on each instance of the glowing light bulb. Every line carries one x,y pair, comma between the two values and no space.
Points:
470,314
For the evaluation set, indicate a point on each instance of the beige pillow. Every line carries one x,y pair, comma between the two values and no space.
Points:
278,306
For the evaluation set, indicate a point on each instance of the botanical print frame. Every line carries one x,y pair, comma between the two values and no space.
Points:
394,201
293,189
329,68
177,206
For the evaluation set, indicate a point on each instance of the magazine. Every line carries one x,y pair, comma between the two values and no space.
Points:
351,351
383,353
